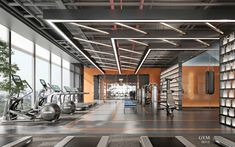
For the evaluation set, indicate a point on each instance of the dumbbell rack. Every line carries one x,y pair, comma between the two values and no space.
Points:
175,73
227,80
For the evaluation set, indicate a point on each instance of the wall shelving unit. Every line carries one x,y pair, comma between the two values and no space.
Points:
227,80
175,73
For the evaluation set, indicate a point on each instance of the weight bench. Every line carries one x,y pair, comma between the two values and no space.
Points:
130,104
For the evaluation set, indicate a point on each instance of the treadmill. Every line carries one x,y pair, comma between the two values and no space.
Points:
79,105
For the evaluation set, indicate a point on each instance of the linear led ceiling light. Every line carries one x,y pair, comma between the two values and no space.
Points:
71,42
214,28
173,28
128,69
141,63
170,42
129,62
142,43
128,66
131,51
106,63
180,49
202,42
94,42
98,52
106,66
116,55
108,59
132,28
125,57
89,28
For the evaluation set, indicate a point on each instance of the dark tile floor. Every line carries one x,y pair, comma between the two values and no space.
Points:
109,119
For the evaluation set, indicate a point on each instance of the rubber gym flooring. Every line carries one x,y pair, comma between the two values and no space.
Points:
125,129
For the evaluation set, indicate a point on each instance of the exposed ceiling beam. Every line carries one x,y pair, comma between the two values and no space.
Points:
163,4
146,15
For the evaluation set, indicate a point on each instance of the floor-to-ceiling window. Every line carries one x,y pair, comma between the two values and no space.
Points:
42,66
4,38
56,70
77,77
23,56
66,73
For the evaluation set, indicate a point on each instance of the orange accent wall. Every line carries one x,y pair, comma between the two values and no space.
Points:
89,73
194,85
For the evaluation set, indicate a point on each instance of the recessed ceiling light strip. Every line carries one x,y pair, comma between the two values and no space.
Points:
129,58
128,62
214,28
105,63
94,42
108,59
106,66
132,28
99,52
173,28
149,21
128,69
183,49
138,42
116,55
131,51
202,42
67,39
170,42
146,55
89,28
127,66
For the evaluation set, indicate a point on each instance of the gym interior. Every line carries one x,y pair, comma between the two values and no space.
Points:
117,73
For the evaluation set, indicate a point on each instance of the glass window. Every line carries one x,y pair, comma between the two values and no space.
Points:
77,80
72,79
3,37
22,56
21,43
56,70
42,67
66,73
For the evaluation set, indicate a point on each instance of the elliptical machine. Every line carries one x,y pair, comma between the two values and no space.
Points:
49,112
66,105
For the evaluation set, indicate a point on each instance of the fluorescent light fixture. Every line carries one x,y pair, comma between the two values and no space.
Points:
94,42
141,63
214,28
202,42
128,62
106,66
110,69
170,42
128,69
116,55
90,28
132,28
67,39
182,49
142,43
108,59
173,38
173,28
106,63
98,52
143,21
127,66
129,58
131,51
